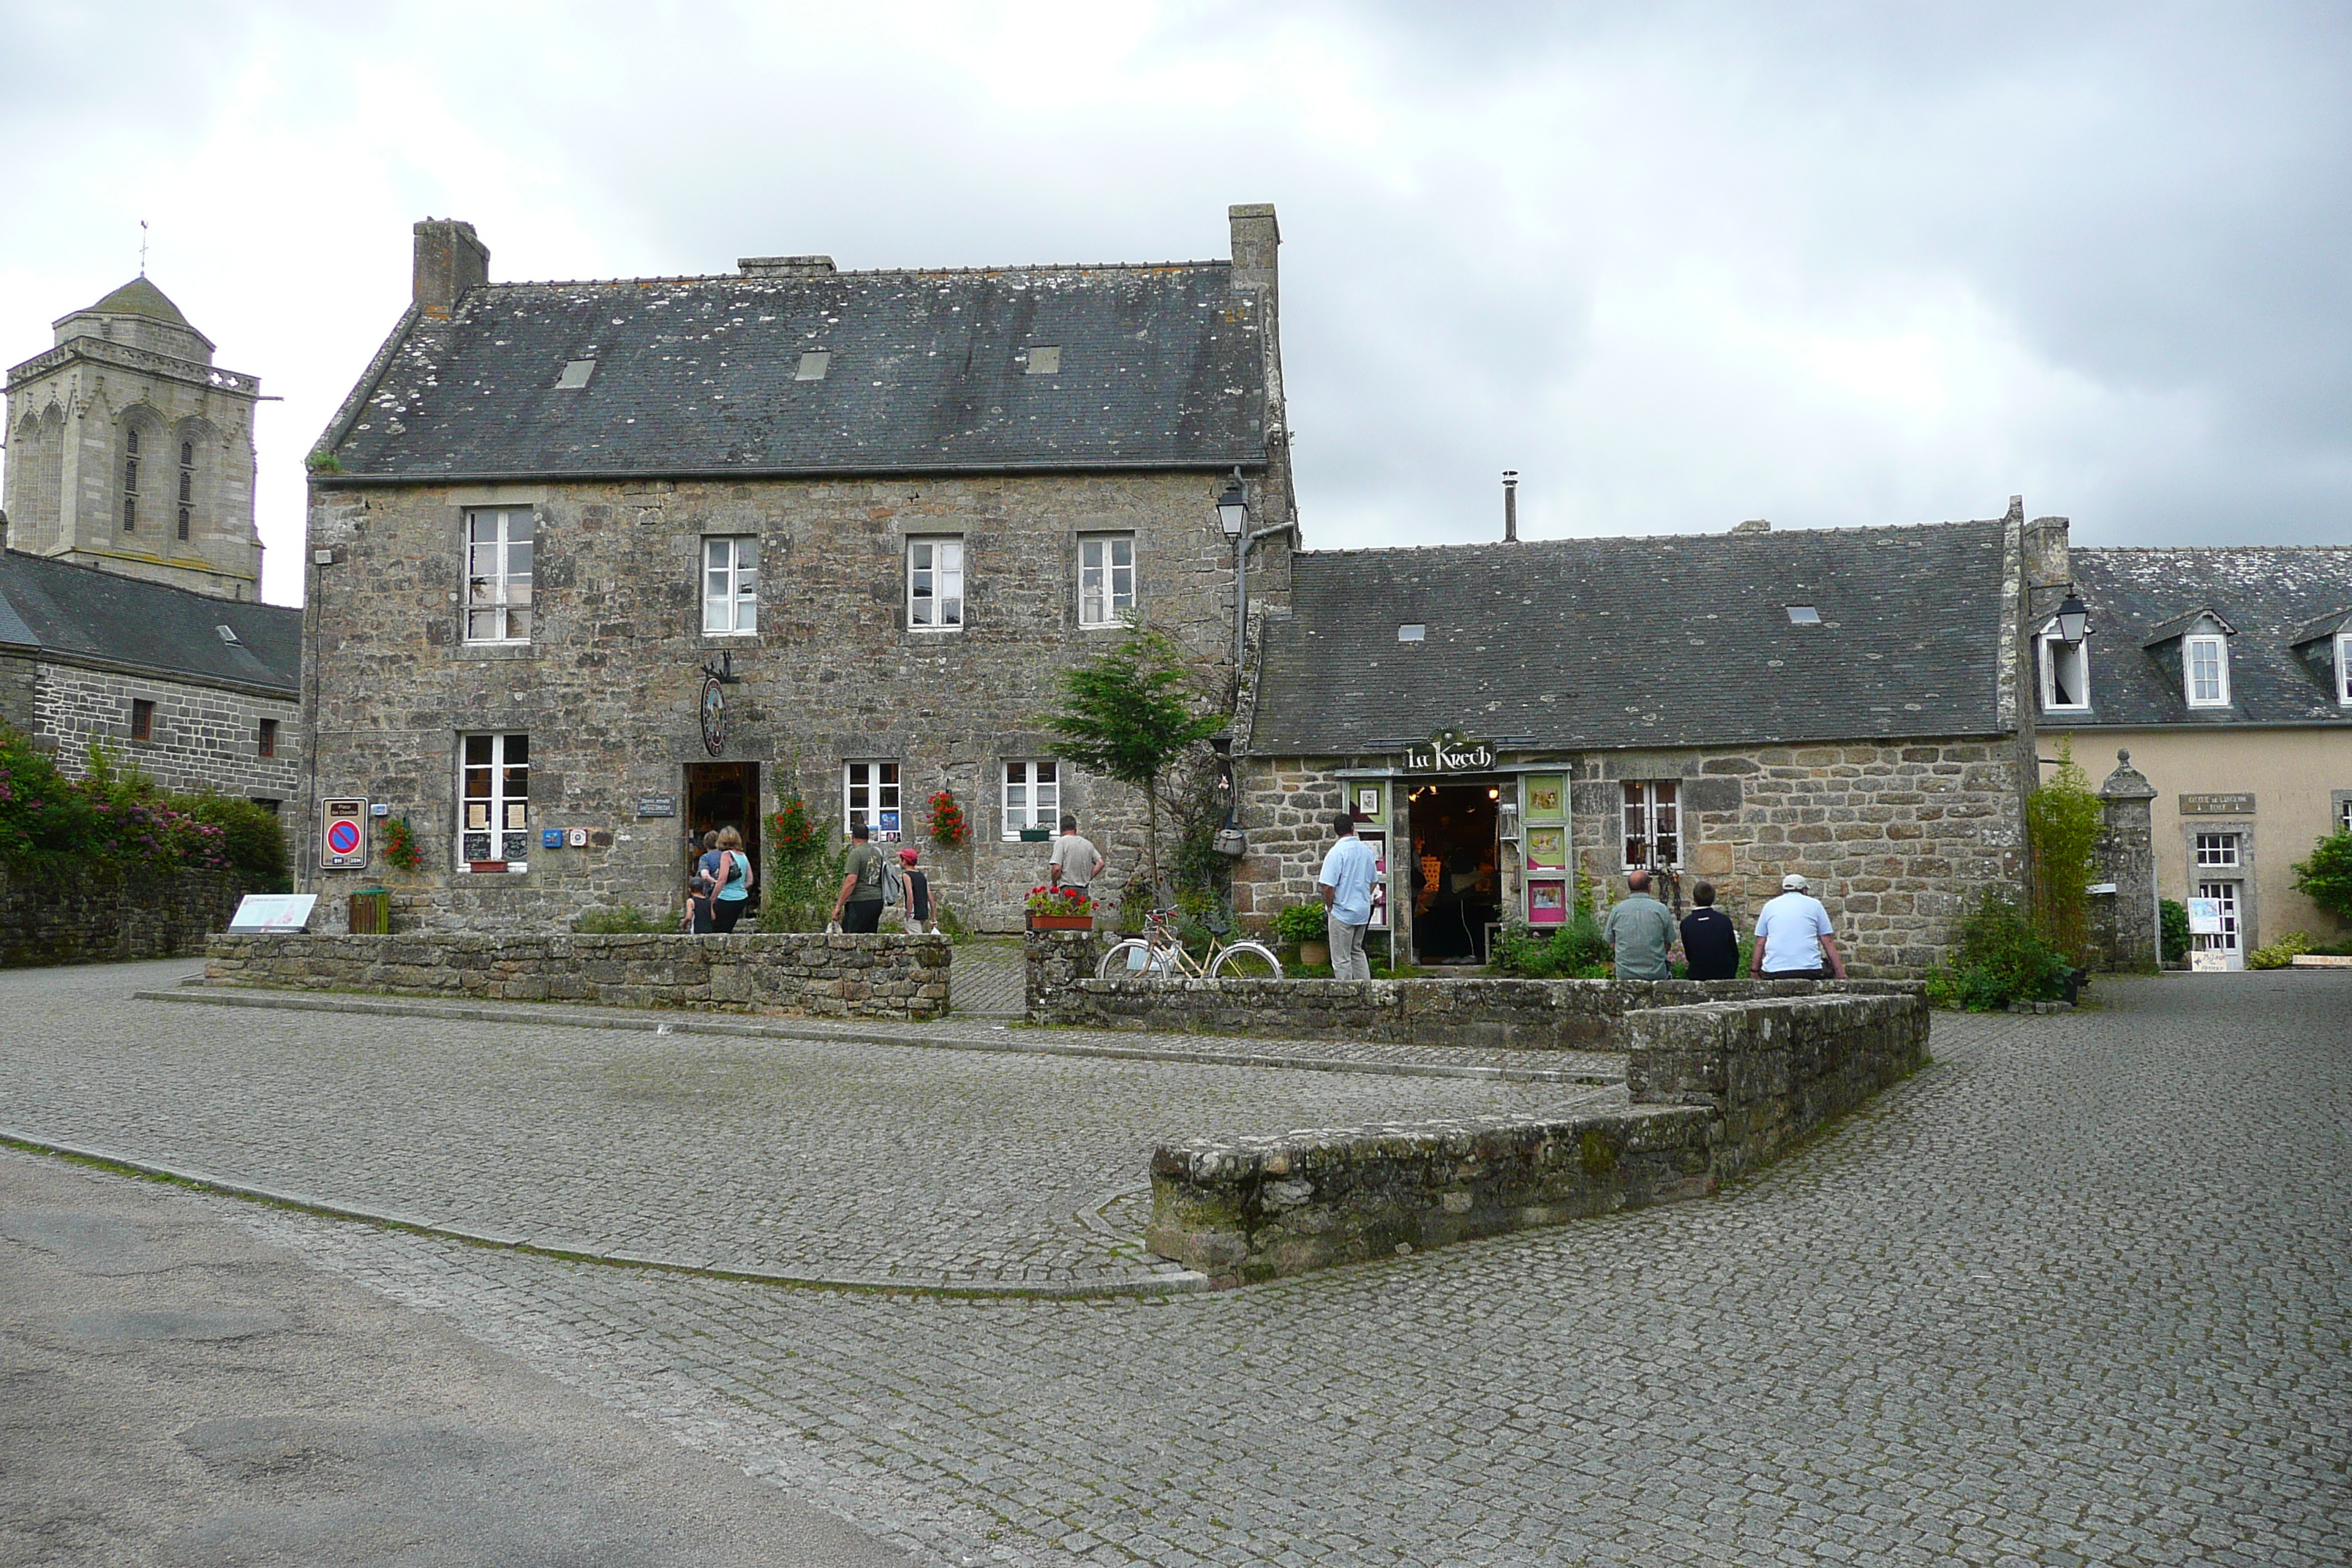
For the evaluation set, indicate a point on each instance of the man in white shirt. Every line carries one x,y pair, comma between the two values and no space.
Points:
1792,937
1076,863
1346,884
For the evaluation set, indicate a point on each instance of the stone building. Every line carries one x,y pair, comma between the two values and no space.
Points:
1516,724
597,565
194,690
130,450
2227,675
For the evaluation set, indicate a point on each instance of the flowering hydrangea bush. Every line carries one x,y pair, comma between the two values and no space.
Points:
52,824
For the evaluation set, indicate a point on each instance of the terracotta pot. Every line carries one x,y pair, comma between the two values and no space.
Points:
1313,953
1061,922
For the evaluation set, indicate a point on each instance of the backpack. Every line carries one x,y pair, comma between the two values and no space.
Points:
894,883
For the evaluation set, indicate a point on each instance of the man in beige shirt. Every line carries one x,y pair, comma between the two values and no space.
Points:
1076,862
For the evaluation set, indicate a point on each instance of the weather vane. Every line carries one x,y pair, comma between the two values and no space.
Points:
143,247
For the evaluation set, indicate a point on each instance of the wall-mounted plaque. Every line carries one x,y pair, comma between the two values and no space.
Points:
658,806
2217,805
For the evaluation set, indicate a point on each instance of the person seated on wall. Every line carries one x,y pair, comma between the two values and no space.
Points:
1710,941
1793,940
1640,933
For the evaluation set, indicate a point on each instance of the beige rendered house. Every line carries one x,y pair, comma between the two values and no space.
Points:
2227,674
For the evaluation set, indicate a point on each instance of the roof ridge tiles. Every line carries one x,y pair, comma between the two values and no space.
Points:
1521,544
984,271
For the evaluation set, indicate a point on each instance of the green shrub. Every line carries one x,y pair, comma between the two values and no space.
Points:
623,920
116,817
2064,818
1576,951
2176,929
800,889
2280,954
254,836
2327,878
2000,959
1294,923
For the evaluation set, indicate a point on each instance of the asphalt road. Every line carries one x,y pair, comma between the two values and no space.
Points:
174,1391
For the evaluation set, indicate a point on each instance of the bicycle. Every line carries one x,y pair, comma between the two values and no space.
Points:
1159,954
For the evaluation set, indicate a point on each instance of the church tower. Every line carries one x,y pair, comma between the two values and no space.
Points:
129,451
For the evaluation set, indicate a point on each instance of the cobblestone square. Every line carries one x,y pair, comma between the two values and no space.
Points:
2077,1293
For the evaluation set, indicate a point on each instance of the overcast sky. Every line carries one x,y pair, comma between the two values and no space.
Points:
1679,265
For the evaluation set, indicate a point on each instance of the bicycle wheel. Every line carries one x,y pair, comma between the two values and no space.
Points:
1246,960
1130,959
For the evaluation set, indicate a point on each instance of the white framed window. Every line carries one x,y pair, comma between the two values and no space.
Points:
1033,797
2065,672
2343,668
2205,670
1105,579
935,585
1653,834
731,585
493,803
2343,815
498,574
2217,849
869,794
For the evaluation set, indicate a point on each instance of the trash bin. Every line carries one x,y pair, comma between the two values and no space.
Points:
371,912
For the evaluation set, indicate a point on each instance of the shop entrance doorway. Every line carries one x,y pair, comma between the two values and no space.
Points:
1456,885
720,794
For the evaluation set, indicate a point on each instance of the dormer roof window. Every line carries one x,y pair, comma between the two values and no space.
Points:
2205,670
2065,671
2343,668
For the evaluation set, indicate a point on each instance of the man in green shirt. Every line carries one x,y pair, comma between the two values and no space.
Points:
858,908
1642,932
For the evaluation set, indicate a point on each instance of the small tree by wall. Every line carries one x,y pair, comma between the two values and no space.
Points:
2325,878
1131,714
2064,818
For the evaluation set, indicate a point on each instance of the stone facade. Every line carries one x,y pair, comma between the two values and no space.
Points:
607,687
1715,1091
130,450
108,916
200,737
897,977
1895,837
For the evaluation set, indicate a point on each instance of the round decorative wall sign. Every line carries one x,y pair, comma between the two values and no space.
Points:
714,716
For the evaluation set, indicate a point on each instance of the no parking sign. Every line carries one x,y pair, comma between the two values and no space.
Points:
345,836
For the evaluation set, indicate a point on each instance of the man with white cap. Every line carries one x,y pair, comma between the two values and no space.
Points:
1792,937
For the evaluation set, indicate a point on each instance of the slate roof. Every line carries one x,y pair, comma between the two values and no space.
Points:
64,609
137,298
1159,368
1682,641
2271,597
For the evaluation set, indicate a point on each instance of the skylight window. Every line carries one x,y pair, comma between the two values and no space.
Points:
1804,616
228,634
812,365
1413,631
575,373
1045,361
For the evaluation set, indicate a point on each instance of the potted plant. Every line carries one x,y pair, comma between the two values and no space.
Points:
1060,909
1302,926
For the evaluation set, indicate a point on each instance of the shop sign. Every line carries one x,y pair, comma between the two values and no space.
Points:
714,716
2217,805
1450,752
658,806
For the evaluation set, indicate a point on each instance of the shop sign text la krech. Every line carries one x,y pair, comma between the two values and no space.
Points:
1449,751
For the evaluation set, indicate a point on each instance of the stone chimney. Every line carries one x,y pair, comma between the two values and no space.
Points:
785,266
1255,239
1753,525
449,260
2047,558
1510,506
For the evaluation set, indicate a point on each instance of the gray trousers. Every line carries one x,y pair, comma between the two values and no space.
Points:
1347,959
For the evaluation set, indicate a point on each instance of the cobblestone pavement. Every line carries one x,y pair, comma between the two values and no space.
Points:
838,1159
988,980
2078,1293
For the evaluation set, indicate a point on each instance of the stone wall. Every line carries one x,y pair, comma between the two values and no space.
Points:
105,916
813,975
203,736
1518,1014
1715,1091
1895,837
607,687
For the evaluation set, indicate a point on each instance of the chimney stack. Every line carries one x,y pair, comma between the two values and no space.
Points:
785,266
1510,506
1256,242
448,261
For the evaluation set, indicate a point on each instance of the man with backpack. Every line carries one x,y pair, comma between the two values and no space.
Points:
859,905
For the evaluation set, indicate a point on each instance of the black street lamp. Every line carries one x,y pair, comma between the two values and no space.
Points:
2073,619
1232,509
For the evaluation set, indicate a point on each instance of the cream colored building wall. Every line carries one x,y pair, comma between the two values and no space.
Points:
2297,776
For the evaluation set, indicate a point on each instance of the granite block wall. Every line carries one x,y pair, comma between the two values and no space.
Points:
899,977
107,916
203,736
1715,1092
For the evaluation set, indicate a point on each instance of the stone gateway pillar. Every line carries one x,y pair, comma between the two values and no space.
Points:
2126,922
